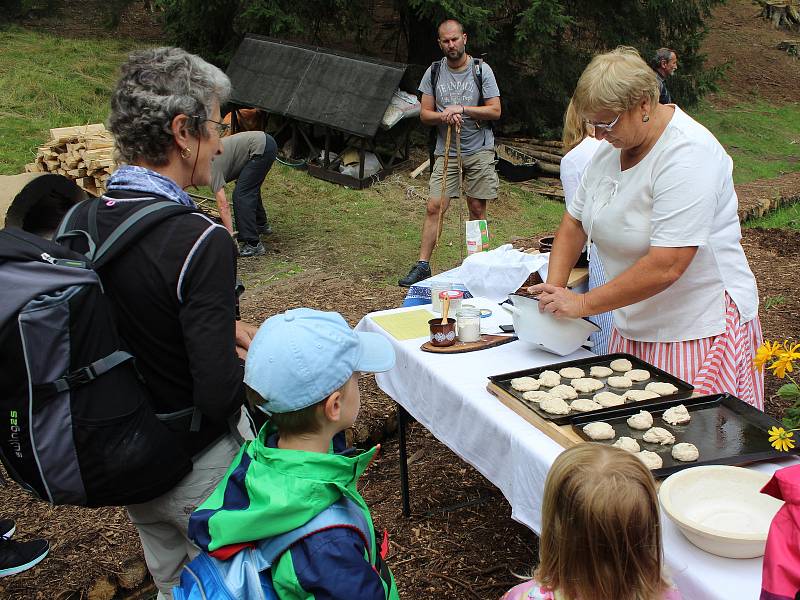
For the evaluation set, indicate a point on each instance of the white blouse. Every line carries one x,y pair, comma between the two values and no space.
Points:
681,194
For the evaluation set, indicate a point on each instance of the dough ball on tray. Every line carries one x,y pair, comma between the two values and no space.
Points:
661,388
621,365
677,415
525,384
536,396
685,452
638,395
567,392
628,444
554,406
586,385
607,399
619,381
599,431
584,405
549,378
659,435
651,460
641,420
638,375
601,371
571,373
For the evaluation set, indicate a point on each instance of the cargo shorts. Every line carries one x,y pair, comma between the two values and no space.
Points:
480,176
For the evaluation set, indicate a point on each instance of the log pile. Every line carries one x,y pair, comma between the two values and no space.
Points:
782,13
547,152
84,154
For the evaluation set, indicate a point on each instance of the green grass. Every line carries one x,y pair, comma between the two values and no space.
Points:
763,140
51,82
785,217
371,235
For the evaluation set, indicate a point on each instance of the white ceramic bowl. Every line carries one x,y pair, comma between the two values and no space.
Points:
720,509
543,330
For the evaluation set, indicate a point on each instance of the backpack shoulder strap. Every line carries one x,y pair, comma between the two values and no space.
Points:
116,240
343,513
435,67
477,74
123,234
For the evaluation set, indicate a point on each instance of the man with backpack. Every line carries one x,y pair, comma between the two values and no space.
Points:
461,92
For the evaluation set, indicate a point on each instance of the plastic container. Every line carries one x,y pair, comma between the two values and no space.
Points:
468,324
436,300
456,297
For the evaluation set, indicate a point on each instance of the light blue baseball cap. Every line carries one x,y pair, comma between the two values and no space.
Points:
302,356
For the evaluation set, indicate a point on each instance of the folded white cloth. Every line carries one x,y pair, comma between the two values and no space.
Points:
499,272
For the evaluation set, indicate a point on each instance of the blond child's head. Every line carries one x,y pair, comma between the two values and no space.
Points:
601,536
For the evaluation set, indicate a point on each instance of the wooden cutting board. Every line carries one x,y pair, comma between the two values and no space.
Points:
486,341
563,435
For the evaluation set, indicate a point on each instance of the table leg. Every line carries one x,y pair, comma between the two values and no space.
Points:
402,421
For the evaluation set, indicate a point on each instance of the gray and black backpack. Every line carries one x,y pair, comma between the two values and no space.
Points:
76,417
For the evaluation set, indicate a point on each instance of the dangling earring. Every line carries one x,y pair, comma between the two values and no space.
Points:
186,152
645,118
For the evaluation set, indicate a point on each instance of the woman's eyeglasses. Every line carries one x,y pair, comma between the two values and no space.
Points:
605,126
222,128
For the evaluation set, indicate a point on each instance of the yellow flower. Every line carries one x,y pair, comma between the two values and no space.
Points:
767,351
783,364
781,439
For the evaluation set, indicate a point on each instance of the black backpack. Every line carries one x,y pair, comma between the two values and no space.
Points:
78,426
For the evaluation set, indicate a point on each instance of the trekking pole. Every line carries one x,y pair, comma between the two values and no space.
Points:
461,191
443,192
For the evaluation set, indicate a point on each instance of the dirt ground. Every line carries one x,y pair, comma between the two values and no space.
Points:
744,41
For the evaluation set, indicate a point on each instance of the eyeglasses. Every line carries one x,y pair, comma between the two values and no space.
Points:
222,128
605,126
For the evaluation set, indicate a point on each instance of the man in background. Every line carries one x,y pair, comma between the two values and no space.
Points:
246,158
457,91
665,63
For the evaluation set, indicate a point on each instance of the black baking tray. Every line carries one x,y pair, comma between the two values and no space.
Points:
684,389
726,431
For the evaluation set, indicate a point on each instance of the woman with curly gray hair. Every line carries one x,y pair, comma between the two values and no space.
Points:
173,288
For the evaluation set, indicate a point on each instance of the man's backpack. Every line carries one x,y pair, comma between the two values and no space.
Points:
77,419
246,573
477,75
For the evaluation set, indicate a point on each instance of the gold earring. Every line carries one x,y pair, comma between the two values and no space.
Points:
186,152
645,118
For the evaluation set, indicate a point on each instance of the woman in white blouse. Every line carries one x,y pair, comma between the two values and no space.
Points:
658,201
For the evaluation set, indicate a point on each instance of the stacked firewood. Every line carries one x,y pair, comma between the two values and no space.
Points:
84,154
783,13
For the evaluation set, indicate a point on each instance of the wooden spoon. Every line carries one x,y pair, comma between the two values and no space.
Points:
445,308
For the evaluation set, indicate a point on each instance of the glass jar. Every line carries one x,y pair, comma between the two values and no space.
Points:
468,324
436,300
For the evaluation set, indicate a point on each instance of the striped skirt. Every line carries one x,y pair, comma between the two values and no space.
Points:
713,365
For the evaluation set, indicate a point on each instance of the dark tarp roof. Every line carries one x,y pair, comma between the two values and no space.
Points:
344,91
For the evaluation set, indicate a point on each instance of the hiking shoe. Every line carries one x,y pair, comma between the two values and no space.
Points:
265,229
247,250
417,273
7,529
16,557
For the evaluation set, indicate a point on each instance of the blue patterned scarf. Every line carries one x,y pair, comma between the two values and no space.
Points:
130,178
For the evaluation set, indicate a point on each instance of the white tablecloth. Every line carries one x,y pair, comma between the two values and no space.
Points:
447,395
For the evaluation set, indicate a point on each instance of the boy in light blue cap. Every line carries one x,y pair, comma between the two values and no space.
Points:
290,489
